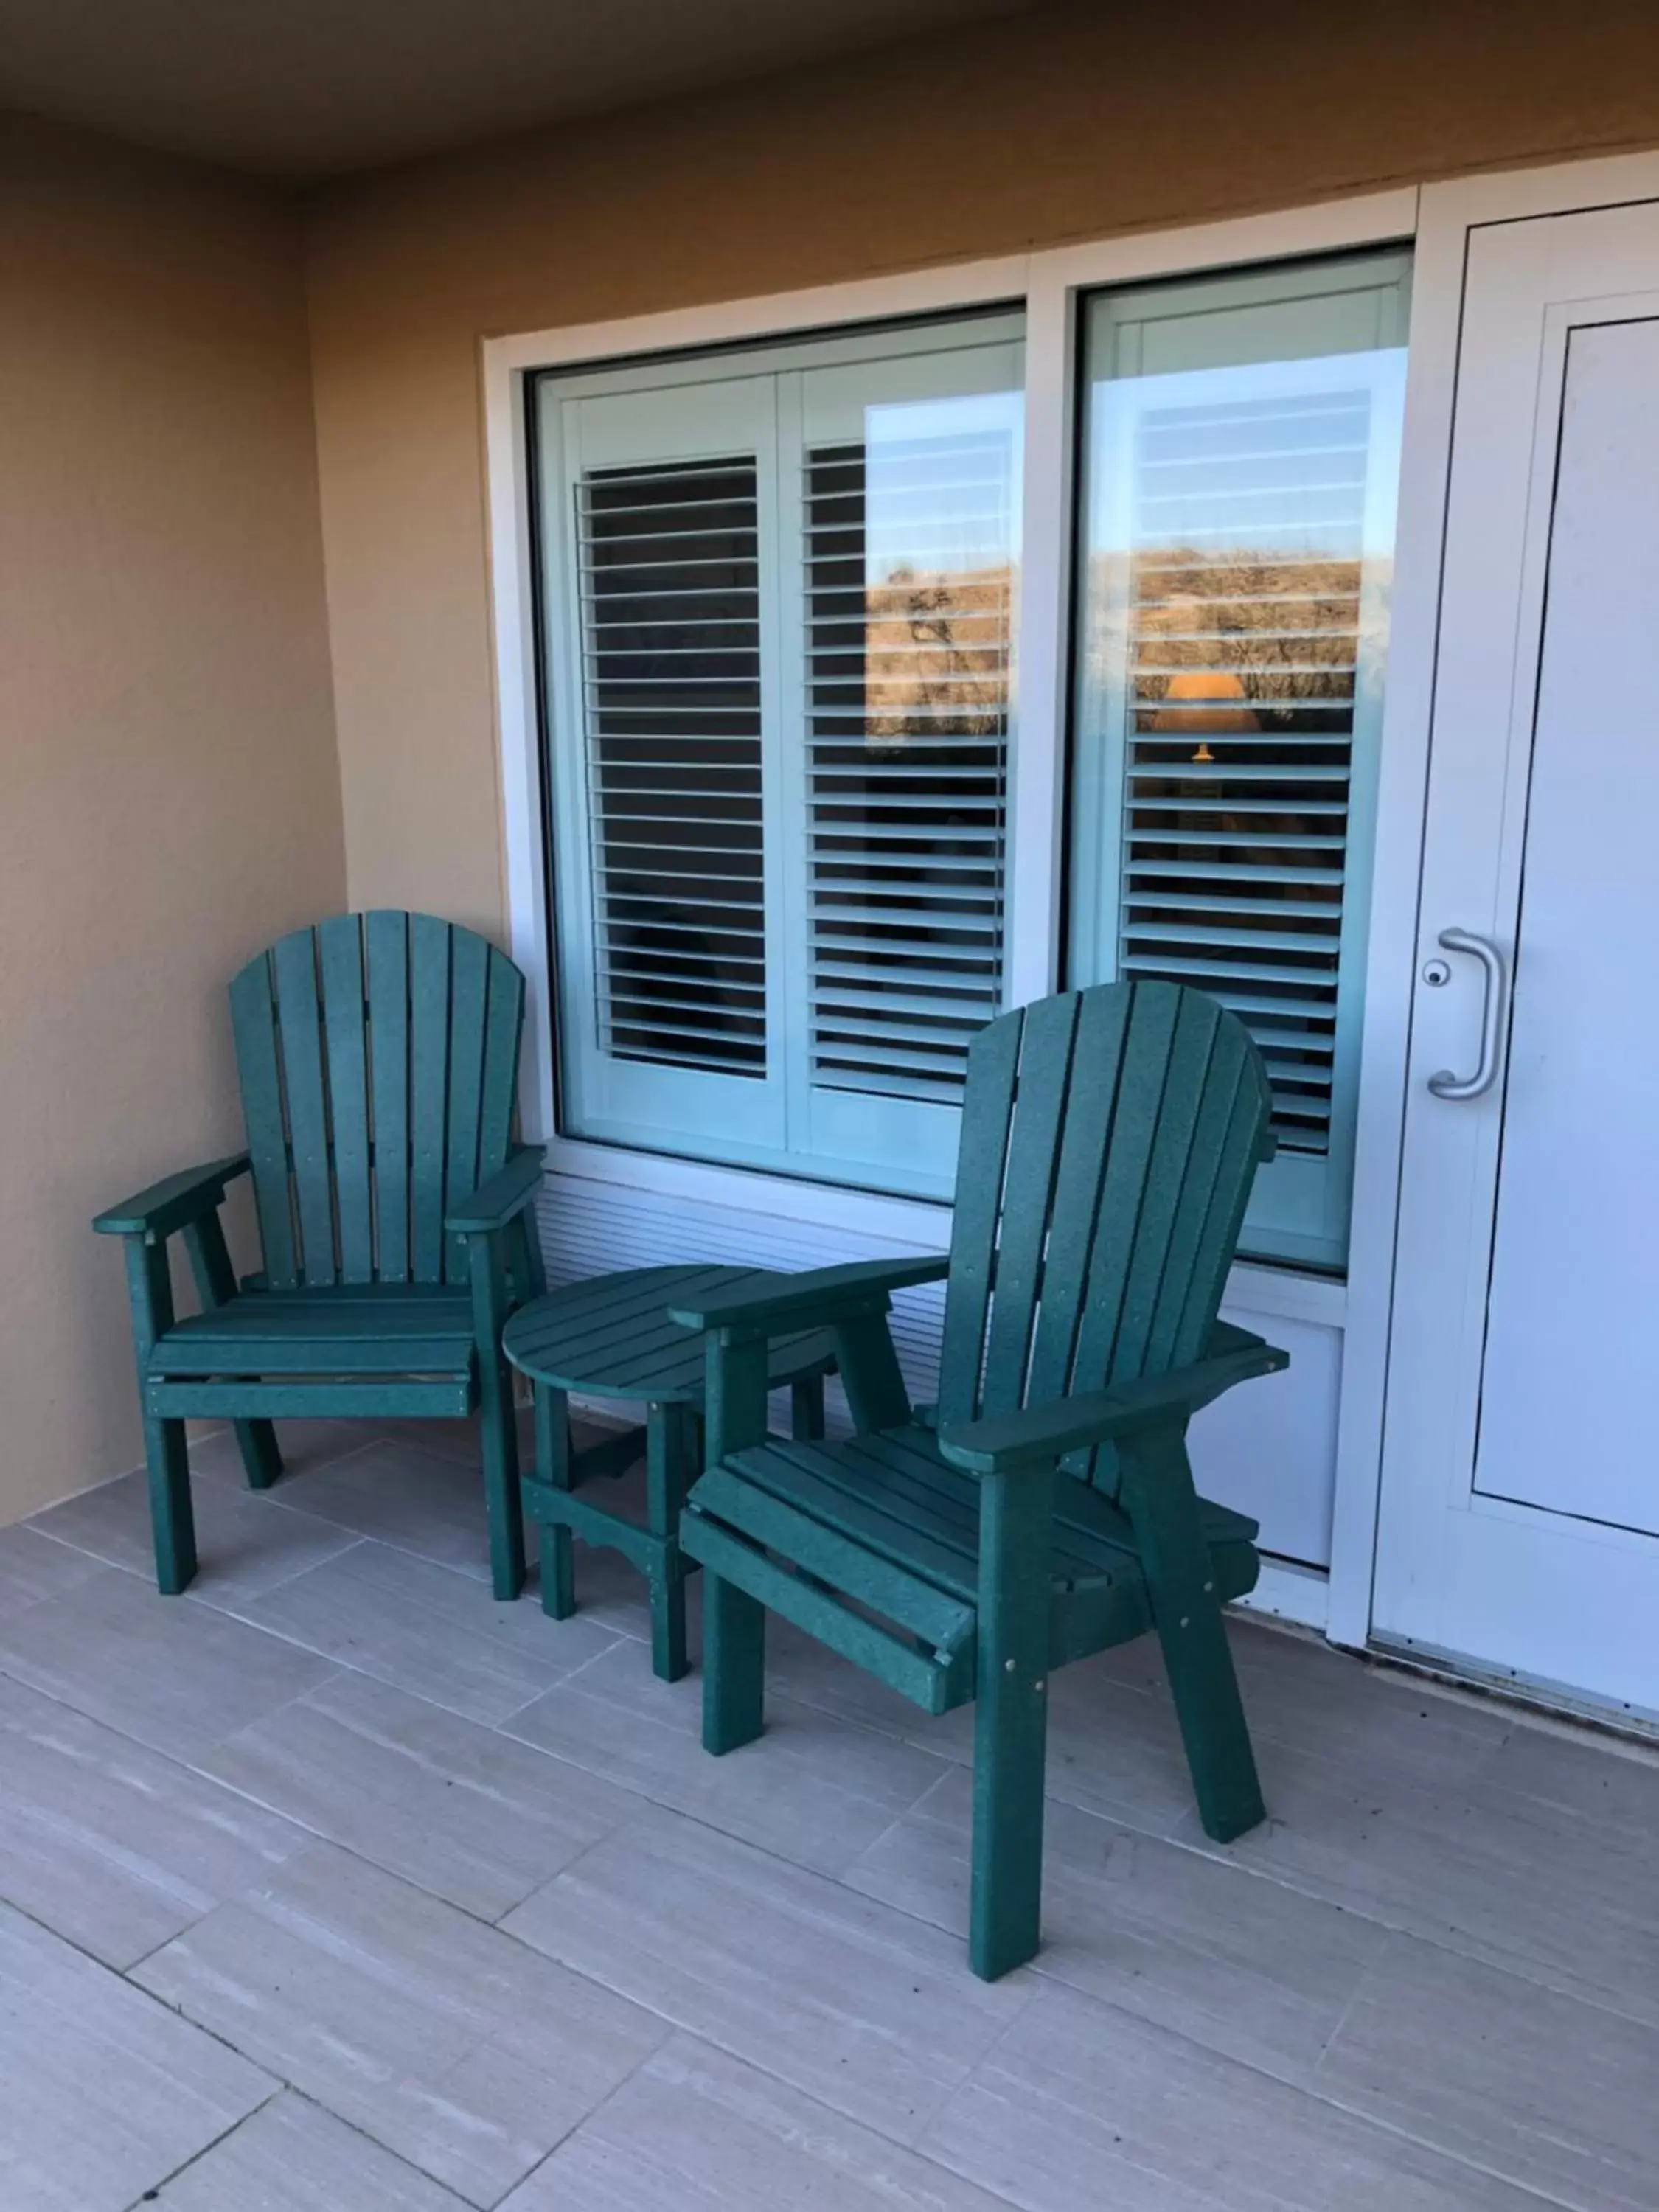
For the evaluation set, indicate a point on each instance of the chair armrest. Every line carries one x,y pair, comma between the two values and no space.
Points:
1000,1444
176,1200
816,1298
508,1192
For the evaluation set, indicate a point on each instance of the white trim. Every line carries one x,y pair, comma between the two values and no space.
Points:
910,1221
1041,675
1330,226
737,322
524,832
1426,446
1287,1591
1557,188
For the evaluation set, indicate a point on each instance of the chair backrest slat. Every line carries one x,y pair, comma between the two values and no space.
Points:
340,957
428,1093
378,1056
1034,1149
987,1114
1224,1071
503,1025
295,960
253,1030
1109,1140
1241,1149
386,945
1096,1064
1184,1090
1148,1032
469,990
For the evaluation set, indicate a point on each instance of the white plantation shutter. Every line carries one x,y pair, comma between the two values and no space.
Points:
671,714
1243,445
779,621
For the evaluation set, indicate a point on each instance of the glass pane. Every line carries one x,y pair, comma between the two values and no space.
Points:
911,529
1242,456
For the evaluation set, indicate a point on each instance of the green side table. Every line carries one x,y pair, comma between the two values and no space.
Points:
610,1337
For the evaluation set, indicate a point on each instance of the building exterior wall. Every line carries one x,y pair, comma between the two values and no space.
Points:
171,797
1065,124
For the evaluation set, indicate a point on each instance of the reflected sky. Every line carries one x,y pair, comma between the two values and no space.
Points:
943,485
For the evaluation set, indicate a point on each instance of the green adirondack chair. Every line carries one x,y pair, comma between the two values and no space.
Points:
1046,1509
379,1060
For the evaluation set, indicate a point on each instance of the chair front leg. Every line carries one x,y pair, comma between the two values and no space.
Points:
487,1266
173,1524
1011,1720
1156,1492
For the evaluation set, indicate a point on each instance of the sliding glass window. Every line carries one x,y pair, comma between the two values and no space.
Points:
1235,535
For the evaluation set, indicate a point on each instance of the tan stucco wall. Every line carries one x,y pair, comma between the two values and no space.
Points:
170,798
1064,125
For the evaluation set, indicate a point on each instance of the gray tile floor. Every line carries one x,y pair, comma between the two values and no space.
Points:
335,1886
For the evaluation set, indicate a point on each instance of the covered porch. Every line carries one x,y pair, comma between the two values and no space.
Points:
339,360
336,1883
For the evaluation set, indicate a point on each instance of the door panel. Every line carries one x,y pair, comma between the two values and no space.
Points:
1569,1417
1518,1485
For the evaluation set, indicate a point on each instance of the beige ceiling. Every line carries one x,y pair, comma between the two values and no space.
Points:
308,88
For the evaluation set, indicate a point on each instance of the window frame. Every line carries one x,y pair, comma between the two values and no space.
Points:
1052,284
774,381
1299,1211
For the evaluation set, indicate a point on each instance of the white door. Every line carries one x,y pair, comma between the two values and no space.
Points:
1519,1521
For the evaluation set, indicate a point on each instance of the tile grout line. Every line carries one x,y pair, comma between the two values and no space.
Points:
674,2024
1519,1970
672,2028
1387,2127
1319,2095
147,2196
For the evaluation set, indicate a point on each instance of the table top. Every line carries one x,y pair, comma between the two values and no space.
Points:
612,1333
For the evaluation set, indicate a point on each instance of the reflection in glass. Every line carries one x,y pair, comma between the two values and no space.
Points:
1238,556
911,537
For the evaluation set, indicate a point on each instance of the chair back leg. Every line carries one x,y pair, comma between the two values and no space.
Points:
262,1461
216,1285
1158,1496
500,1434
666,1475
1011,1718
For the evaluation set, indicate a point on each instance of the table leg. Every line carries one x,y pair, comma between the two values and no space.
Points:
665,1492
553,1465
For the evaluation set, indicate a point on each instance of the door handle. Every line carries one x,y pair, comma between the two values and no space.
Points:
1445,1084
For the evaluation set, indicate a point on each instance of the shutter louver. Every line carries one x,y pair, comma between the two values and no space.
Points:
672,694
1245,569
908,590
